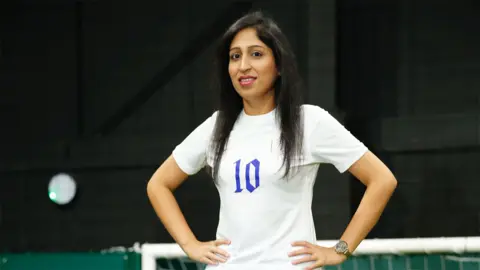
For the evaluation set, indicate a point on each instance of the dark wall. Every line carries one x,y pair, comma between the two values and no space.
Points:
38,72
409,83
438,105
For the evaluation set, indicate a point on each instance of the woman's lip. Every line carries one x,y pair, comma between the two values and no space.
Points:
246,81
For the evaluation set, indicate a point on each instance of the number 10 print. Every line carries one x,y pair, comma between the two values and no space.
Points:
248,184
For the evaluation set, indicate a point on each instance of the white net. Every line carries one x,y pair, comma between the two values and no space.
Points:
459,253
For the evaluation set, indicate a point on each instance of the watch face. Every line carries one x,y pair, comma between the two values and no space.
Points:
341,247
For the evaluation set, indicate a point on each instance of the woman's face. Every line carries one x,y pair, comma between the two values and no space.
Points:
252,66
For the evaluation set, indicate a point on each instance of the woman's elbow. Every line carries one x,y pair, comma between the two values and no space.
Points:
151,187
388,182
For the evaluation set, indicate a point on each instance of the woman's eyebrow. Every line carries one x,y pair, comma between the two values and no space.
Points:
249,47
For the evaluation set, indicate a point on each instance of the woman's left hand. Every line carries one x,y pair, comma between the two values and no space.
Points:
321,256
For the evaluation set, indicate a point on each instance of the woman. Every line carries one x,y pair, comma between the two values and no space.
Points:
263,148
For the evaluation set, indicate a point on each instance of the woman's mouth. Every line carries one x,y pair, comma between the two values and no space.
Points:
247,80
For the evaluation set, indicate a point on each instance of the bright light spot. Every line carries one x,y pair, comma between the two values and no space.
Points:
62,188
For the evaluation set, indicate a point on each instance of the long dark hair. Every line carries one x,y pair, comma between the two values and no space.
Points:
287,90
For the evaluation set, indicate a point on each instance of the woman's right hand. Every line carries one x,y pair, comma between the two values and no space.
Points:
207,252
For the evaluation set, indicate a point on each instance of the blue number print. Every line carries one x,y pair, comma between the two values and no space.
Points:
256,164
237,176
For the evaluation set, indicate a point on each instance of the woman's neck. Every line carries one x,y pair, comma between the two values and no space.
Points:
259,106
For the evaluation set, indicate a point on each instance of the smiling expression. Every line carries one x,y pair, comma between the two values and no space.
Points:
251,66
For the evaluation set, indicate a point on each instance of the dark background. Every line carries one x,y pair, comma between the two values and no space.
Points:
104,90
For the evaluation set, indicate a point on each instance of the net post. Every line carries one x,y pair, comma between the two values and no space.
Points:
149,259
148,262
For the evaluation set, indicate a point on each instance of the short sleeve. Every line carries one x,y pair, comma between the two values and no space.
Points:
330,142
191,153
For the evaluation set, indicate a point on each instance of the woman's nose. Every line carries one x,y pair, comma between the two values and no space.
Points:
245,64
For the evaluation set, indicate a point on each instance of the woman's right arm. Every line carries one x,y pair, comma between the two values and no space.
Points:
160,190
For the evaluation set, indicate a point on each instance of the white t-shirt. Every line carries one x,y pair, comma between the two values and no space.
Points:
261,213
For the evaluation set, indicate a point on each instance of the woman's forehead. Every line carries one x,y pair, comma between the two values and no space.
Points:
246,38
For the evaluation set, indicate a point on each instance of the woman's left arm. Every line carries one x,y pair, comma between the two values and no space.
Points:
380,183
330,142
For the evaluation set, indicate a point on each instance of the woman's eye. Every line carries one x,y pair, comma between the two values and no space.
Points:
257,54
235,56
